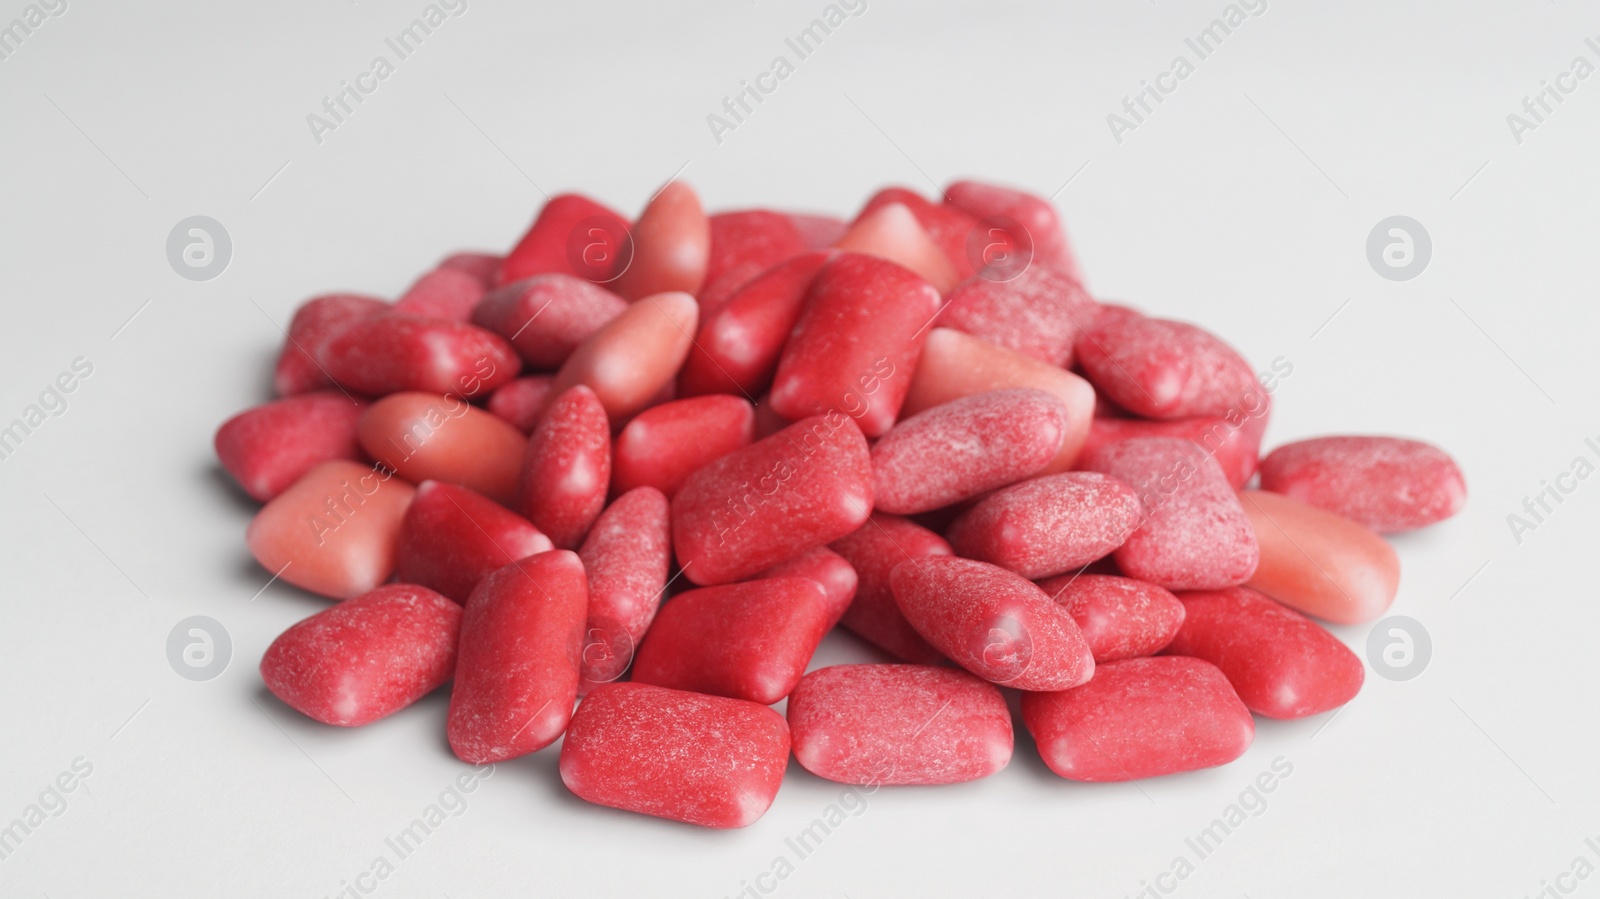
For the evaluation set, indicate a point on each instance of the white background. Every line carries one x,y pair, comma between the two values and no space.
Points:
1243,203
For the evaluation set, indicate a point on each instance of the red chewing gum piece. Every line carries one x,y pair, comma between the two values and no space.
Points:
1048,525
1389,484
830,570
483,266
626,556
519,403
269,447
385,354
873,550
1039,313
704,760
572,235
546,317
1122,618
427,436
745,244
449,293
740,341
367,657
1030,220
451,537
1234,443
1318,562
314,324
567,468
664,444
1157,368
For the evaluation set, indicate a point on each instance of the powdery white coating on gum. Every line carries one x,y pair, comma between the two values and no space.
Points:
1122,618
1389,484
1048,525
1158,368
1039,313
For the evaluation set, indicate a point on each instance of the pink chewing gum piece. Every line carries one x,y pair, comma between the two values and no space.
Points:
992,622
519,403
314,324
334,531
385,354
451,537
737,348
1281,663
950,229
1039,312
626,556
1234,443
1122,618
367,657
1194,535
1389,484
1140,718
671,245
873,550
1048,525
1031,221
664,444
750,640
704,760
449,293
830,570
818,231
430,437
955,365
270,446
572,235
567,468
745,244
483,266
546,317
517,671
804,486
899,724
1318,562
856,343
965,448
1162,369
891,233
633,357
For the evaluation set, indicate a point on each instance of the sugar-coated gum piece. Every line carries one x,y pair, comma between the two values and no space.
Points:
1048,525
1194,534
367,657
955,365
704,760
334,531
566,470
899,724
950,228
671,242
856,343
519,403
891,233
1140,718
664,444
449,293
268,447
451,537
427,436
830,570
1318,562
804,486
737,348
634,357
626,556
1163,369
1234,443
744,244
1281,663
1039,313
314,324
1035,216
517,670
572,235
992,622
384,354
873,550
1389,484
1121,617
546,317
965,448
483,266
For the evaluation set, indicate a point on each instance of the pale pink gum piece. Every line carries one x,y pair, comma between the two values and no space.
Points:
566,470
1039,313
965,448
992,622
1389,484
1048,525
434,437
1318,562
950,229
519,403
873,550
705,760
1140,718
517,672
334,531
891,232
856,344
450,293
955,365
547,316
451,537
818,231
635,356
899,724
366,657
626,556
314,324
829,569
671,246
664,444
1194,535
1121,617
1157,368
270,446
1035,214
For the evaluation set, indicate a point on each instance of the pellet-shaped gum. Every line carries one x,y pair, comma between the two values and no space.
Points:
566,469
744,244
451,537
314,324
829,569
434,437
1039,313
1163,369
1389,484
1318,562
633,357
572,235
892,233
1121,617
671,244
1031,220
519,403
873,550
270,446
546,317
626,556
741,339
948,227
1234,442
664,444
1048,525
384,354
449,293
